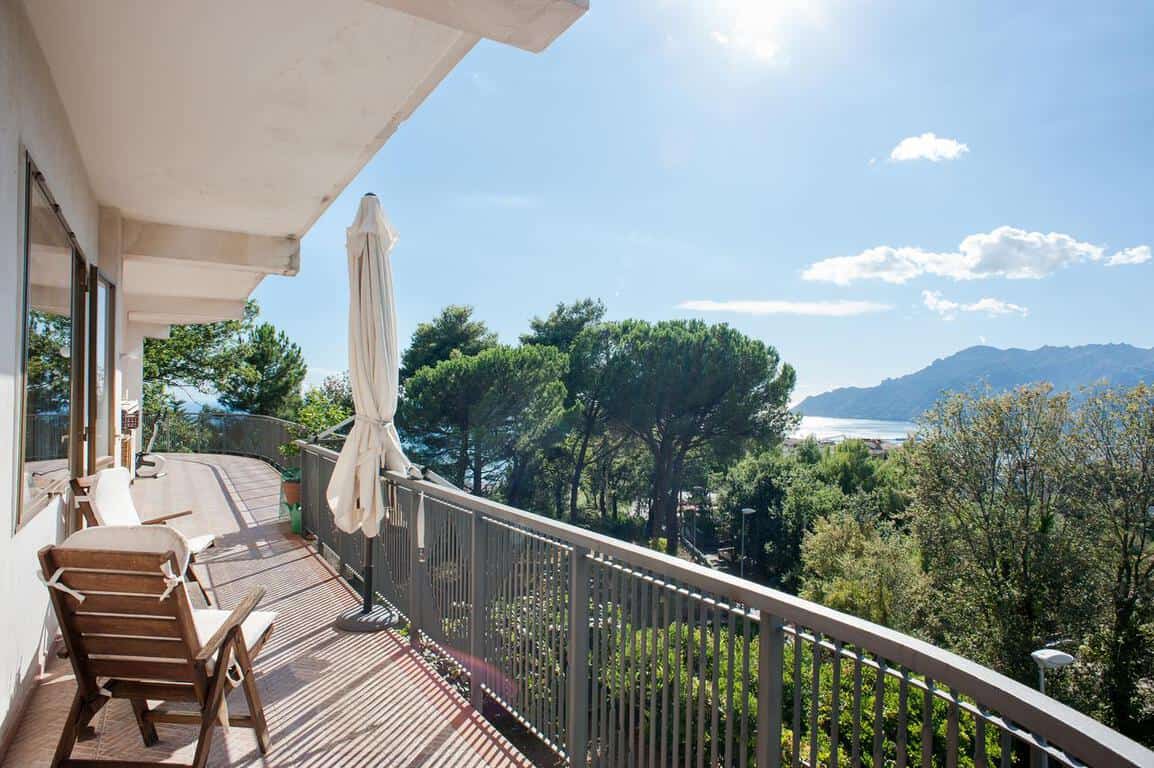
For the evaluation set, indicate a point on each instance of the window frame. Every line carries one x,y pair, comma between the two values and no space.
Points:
78,363
96,278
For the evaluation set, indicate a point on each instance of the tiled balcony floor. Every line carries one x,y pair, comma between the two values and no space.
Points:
332,698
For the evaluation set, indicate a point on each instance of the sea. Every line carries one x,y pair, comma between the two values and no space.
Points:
824,428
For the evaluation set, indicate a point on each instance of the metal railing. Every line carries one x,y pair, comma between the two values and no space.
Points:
240,434
46,436
616,655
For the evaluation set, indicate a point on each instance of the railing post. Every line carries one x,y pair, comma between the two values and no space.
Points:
477,592
577,737
771,653
416,561
307,484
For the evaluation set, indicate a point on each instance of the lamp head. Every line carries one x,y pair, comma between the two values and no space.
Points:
1051,658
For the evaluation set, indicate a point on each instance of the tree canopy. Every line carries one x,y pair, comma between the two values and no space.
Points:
453,332
267,376
997,514
564,324
467,416
680,386
193,357
1113,471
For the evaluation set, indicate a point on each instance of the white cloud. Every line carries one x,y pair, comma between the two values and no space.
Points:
805,308
1006,252
886,263
991,307
928,146
1017,254
1139,254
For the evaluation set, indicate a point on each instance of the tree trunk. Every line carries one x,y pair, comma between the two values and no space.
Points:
462,466
672,525
579,464
1121,672
659,511
655,520
558,498
478,468
672,519
520,489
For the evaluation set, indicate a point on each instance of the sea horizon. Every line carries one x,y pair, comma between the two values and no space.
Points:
829,428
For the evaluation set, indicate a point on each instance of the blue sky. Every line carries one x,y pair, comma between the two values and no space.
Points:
867,186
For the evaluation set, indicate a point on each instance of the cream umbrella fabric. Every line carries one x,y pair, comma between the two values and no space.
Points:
354,492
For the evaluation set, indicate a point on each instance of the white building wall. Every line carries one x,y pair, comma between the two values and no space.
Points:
32,118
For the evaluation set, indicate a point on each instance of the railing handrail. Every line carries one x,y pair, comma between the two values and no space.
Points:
1076,733
241,414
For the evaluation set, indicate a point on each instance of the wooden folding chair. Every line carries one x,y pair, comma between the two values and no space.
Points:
132,633
105,498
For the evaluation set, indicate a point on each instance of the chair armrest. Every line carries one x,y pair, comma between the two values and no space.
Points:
165,518
234,620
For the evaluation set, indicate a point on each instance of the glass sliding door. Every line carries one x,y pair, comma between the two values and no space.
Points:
53,351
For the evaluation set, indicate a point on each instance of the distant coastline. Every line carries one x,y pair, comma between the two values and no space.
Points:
989,370
826,429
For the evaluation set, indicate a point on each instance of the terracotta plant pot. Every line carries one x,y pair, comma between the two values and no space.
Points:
292,491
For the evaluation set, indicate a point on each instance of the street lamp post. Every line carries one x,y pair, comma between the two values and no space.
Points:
1049,658
745,513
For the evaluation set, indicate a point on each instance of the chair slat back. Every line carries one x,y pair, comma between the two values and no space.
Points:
130,624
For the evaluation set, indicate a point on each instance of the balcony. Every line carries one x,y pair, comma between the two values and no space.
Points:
657,661
332,698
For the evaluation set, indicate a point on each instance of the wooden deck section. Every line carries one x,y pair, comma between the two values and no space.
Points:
332,698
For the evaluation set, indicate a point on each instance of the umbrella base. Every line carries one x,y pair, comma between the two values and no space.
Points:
377,620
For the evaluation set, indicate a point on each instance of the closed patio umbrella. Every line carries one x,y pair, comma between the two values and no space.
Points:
354,492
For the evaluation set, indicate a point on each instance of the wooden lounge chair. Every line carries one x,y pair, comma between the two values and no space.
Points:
132,633
105,498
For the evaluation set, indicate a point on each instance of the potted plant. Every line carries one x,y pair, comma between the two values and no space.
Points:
290,481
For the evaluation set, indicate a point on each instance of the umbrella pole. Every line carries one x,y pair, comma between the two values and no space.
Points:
368,616
367,607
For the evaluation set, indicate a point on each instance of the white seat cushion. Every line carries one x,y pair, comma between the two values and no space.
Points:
133,538
111,497
197,544
209,620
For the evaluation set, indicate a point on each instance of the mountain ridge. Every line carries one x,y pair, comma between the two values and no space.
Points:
1068,368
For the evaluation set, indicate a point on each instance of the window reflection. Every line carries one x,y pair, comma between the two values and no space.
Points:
48,352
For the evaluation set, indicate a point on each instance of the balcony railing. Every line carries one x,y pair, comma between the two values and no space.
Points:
616,655
241,434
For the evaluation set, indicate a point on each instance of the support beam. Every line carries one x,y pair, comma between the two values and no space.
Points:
149,331
111,262
180,310
210,247
527,24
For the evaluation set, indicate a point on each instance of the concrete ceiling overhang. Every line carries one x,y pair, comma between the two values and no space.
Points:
216,118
